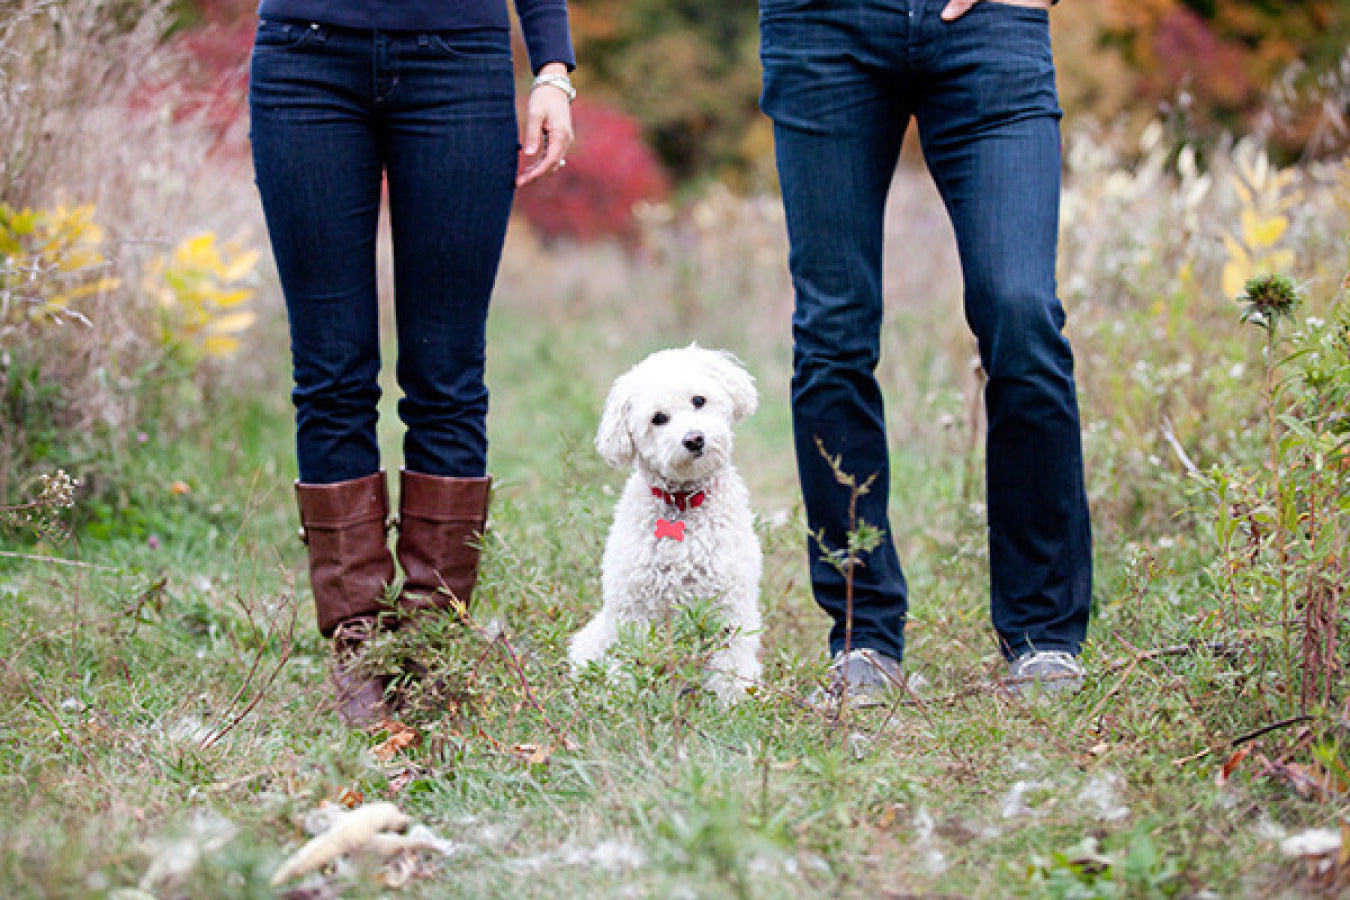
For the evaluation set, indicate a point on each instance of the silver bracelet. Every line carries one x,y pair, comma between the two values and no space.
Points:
561,82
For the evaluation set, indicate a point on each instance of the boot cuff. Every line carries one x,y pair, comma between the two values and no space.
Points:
437,498
330,506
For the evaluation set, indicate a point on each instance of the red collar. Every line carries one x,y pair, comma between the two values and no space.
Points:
681,500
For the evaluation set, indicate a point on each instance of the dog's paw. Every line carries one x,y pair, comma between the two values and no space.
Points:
591,643
730,688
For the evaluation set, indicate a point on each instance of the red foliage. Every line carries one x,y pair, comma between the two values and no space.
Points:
226,12
1189,53
609,170
212,86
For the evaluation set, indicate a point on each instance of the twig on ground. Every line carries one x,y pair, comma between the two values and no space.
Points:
514,659
211,739
1138,657
1214,648
1246,737
1170,435
1266,729
58,560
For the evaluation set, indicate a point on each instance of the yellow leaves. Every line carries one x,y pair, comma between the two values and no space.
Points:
66,238
49,259
1246,260
241,267
1267,194
53,260
198,286
1262,231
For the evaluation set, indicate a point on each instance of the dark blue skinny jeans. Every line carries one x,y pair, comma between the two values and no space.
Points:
842,80
335,112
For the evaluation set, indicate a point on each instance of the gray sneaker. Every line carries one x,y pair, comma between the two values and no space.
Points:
1047,671
865,677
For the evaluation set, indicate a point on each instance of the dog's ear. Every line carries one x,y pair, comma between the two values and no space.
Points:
738,383
613,439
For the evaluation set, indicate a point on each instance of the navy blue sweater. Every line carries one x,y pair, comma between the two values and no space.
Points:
543,22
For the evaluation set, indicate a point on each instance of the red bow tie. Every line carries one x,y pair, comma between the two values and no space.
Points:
672,530
681,500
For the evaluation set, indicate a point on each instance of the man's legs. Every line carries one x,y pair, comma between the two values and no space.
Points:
837,134
990,130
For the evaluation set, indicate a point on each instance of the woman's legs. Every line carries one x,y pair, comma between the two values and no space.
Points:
450,142
318,167
317,163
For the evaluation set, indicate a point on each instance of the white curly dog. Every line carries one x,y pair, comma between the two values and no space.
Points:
683,527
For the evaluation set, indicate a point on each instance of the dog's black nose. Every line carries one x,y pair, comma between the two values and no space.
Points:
693,442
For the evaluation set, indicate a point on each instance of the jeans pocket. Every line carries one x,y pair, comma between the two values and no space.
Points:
484,47
778,7
274,33
1022,10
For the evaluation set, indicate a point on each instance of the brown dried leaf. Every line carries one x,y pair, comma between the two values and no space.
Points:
1230,764
403,778
401,737
530,753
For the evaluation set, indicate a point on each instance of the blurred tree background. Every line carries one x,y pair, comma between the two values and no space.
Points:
682,77
688,71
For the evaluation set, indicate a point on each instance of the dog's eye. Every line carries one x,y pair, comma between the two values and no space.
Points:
660,419
698,402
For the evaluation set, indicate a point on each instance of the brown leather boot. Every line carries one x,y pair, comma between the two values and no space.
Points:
441,520
345,528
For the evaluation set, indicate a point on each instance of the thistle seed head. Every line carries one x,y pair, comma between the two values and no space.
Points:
1267,299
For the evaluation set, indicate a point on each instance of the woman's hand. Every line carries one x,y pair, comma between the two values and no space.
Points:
548,129
955,9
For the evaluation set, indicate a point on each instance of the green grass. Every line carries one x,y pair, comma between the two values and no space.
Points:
163,688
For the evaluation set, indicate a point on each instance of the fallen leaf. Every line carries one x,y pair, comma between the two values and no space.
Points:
403,778
401,737
530,753
1231,764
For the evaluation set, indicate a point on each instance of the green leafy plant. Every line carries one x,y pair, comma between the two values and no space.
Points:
1280,526
1139,869
863,537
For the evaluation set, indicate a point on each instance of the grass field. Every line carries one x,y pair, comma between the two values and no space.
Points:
167,727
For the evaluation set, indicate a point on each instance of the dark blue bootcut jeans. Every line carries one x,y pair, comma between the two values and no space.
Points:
336,111
842,80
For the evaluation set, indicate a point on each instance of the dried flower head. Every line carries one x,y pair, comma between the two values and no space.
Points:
1267,299
42,514
58,491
